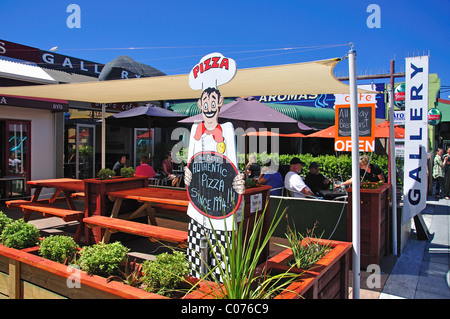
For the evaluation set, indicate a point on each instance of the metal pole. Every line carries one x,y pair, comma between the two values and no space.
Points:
392,172
103,136
203,256
355,172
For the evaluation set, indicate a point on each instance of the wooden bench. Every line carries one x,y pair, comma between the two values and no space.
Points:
78,195
46,210
154,233
68,215
15,204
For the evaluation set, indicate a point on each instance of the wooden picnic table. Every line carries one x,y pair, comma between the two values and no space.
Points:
65,185
148,196
45,207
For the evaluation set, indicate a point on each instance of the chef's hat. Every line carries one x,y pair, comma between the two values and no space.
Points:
213,70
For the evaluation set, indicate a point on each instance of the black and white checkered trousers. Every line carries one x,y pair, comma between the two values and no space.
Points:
196,232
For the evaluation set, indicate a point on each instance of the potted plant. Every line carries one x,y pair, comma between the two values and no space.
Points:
44,278
127,172
61,249
19,235
165,274
241,278
4,220
323,265
105,173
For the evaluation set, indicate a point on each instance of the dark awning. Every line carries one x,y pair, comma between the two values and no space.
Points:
36,103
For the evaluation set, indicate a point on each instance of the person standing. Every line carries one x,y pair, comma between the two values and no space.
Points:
438,172
447,174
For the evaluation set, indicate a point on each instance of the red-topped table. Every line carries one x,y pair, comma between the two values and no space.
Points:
65,185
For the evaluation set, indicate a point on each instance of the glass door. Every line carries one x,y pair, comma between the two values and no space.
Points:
84,151
142,145
17,161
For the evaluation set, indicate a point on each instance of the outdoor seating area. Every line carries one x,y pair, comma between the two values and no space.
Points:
153,205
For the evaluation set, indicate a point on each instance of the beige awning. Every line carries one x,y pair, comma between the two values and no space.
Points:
299,78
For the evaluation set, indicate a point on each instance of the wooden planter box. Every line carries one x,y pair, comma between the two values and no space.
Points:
255,200
97,203
374,223
24,275
327,279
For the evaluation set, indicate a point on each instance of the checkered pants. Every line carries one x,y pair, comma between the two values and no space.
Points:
196,232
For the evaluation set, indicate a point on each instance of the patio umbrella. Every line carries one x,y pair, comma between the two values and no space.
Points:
145,116
270,133
247,111
381,131
326,133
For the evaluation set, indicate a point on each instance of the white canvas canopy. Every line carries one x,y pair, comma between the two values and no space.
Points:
300,78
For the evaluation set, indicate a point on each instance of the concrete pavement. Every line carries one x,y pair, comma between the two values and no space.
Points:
422,271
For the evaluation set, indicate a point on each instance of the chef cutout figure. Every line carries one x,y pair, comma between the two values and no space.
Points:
212,179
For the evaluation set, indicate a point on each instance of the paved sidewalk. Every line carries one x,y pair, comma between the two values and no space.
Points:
422,271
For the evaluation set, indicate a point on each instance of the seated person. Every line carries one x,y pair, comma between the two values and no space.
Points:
121,162
145,169
294,182
315,180
272,178
252,168
368,172
167,166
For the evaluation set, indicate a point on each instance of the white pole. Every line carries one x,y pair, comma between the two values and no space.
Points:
103,136
393,172
355,172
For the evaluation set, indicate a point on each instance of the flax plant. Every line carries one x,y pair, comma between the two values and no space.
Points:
306,251
239,277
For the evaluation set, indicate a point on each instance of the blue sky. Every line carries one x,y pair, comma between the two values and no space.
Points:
173,35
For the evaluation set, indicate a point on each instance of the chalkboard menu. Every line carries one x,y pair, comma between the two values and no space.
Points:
364,120
211,189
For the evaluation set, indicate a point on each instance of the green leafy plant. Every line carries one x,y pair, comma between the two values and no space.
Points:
241,278
102,259
127,171
105,173
19,235
305,249
132,275
58,248
4,221
371,185
166,273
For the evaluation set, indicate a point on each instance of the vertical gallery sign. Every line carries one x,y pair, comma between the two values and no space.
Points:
416,136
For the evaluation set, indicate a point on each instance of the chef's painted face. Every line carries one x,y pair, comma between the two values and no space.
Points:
210,103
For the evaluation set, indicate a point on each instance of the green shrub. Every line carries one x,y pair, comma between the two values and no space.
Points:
19,235
339,168
103,259
127,171
58,248
4,220
105,173
164,274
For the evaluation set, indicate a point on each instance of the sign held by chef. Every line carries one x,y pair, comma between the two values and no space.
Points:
212,179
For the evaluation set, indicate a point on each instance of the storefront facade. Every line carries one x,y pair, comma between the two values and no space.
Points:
44,139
